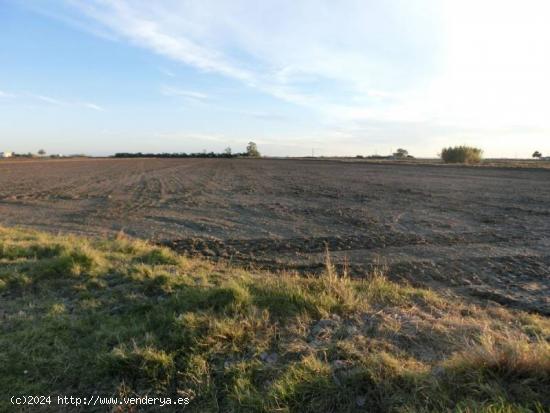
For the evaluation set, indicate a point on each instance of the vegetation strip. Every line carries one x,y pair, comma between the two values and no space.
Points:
121,317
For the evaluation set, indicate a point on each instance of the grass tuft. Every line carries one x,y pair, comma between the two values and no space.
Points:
68,262
159,256
147,363
515,370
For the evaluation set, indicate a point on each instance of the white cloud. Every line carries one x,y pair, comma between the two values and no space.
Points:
441,60
135,23
172,91
67,103
285,49
93,106
47,99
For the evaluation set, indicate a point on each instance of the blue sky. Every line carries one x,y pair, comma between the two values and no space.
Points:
341,78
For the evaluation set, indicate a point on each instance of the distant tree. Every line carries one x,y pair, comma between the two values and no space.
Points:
252,150
41,152
401,153
227,151
537,154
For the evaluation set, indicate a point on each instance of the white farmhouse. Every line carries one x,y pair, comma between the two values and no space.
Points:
6,154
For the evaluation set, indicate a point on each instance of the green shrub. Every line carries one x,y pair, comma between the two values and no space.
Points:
461,154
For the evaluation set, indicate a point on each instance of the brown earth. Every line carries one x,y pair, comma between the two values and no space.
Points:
480,232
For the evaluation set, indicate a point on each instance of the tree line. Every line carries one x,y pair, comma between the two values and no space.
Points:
251,152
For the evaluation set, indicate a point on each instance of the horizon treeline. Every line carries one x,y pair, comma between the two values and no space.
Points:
180,155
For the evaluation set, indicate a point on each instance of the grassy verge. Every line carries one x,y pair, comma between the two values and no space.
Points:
121,317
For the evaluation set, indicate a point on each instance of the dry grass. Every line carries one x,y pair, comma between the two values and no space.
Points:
123,317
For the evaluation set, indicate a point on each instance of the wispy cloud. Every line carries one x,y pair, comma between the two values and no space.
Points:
61,102
131,22
64,17
172,91
47,99
166,72
92,106
6,94
283,60
363,58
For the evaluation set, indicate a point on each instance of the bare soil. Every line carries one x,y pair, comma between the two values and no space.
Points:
479,232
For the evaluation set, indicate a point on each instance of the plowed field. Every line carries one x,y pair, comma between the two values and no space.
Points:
479,232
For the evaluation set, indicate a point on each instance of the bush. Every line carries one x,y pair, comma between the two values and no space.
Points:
461,154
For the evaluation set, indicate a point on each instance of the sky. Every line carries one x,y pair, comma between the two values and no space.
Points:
295,76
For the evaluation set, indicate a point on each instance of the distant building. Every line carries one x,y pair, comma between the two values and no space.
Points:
6,154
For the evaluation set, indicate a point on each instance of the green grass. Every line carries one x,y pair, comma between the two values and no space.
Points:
121,317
